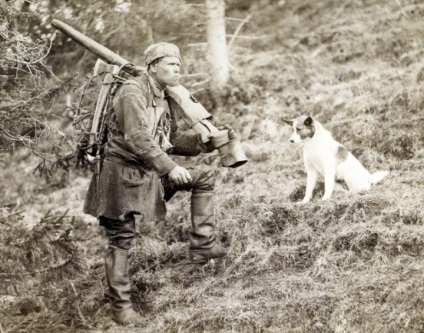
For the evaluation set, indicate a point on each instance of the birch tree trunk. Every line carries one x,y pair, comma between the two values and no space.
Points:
217,45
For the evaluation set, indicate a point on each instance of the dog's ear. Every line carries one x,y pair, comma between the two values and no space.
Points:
308,121
289,122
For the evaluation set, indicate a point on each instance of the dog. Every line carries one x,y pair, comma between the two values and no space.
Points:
324,155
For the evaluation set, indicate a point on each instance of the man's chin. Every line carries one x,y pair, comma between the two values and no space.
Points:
173,84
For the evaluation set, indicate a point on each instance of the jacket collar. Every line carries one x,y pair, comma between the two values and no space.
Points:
156,91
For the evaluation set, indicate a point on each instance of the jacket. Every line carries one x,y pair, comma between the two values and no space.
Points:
141,124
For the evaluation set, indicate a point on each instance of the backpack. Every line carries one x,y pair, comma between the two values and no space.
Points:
90,120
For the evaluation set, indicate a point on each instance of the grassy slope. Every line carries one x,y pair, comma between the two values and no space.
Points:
352,264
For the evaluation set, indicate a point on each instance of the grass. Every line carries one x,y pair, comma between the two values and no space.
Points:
350,264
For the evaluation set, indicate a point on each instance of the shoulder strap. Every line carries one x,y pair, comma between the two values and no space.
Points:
132,82
145,89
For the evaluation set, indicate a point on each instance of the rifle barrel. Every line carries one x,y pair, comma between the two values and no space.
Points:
93,46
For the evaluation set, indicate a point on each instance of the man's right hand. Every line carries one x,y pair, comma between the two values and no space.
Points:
179,176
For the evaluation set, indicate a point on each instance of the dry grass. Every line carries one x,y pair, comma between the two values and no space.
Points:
352,264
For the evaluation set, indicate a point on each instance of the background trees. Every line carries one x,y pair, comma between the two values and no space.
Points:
23,78
217,45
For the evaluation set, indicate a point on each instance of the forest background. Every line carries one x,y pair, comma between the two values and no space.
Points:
350,264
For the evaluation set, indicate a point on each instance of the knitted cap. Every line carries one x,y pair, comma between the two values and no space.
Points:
161,50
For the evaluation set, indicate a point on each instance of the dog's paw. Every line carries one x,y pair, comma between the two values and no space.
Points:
326,197
304,201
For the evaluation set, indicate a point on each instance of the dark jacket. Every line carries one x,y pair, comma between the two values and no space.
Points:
140,123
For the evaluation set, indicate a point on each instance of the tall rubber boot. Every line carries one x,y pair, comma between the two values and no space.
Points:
120,287
203,245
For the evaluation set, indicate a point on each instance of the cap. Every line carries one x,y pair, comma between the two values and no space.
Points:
160,50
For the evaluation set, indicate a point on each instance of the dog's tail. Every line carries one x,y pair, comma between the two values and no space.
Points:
378,176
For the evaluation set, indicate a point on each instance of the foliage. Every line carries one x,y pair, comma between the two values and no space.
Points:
28,95
42,264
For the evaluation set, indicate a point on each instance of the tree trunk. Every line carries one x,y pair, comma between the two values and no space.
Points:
217,45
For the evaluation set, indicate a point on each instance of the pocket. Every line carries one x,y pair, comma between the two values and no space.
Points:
132,177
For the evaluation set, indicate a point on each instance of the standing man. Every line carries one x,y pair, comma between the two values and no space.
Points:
138,176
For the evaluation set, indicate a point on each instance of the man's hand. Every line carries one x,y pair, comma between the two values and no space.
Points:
232,134
179,176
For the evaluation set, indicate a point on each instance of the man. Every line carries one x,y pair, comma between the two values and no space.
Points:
137,174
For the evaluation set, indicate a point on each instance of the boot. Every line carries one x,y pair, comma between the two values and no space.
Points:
203,245
120,287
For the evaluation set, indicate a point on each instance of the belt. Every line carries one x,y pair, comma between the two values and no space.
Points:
132,165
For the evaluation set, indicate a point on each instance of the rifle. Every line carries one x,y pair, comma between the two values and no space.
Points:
191,111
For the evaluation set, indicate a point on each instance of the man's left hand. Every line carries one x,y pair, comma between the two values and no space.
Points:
232,134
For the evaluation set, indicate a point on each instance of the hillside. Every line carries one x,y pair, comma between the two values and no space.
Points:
350,264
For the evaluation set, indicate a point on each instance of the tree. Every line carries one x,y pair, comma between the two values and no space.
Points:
217,45
29,90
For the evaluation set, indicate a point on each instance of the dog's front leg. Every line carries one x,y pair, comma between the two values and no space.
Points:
330,180
311,180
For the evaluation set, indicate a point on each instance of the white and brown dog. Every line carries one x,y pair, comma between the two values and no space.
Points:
324,155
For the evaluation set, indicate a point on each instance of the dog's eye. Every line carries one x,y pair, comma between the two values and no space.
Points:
298,129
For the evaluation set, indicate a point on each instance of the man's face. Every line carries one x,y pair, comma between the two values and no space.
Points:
167,71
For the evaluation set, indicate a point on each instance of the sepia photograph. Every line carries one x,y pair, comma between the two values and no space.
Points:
211,166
